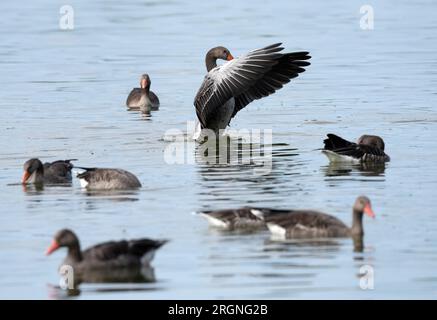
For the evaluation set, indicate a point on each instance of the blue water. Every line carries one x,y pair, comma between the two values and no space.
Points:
63,95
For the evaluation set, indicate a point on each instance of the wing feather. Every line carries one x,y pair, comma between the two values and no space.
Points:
257,74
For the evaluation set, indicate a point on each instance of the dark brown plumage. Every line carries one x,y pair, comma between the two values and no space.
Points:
108,257
142,98
57,172
314,224
241,218
293,223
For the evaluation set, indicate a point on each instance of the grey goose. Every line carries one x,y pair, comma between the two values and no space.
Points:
109,261
107,179
228,88
368,148
142,98
57,172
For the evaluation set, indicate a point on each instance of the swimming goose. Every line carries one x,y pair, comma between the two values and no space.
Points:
314,224
107,179
241,218
229,88
56,172
367,149
142,98
108,256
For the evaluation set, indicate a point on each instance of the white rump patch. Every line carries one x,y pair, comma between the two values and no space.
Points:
277,230
335,157
148,257
214,222
83,183
257,213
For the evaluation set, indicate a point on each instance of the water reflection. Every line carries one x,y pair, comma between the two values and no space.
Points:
144,114
283,268
125,275
335,169
263,263
255,170
281,244
108,280
37,188
56,293
113,195
33,189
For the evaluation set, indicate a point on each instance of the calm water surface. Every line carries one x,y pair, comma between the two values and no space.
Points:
63,95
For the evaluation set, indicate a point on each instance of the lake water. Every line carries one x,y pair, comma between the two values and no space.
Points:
63,96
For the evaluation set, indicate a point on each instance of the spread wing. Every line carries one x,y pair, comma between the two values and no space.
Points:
288,67
252,76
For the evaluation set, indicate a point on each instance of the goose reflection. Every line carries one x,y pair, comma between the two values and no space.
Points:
107,281
290,254
347,169
144,114
233,170
227,150
38,188
113,195
33,189
144,275
323,244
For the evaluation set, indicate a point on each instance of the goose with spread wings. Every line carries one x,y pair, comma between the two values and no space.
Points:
230,87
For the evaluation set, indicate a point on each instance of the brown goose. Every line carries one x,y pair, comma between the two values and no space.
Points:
109,256
314,224
57,172
367,149
241,218
142,98
229,88
108,179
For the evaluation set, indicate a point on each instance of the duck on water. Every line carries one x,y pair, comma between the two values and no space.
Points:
57,172
294,224
143,98
367,149
113,260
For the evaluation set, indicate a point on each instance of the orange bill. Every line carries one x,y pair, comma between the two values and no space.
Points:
230,57
26,176
368,210
53,246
